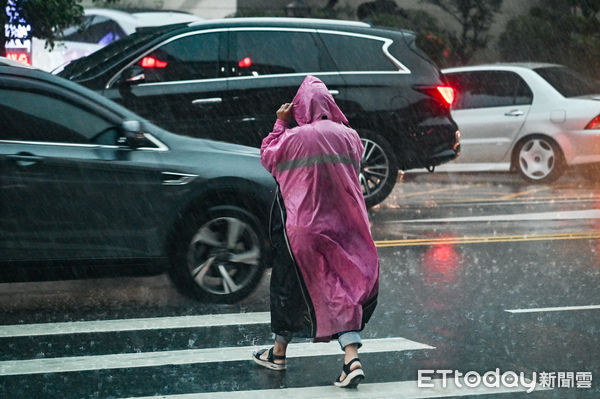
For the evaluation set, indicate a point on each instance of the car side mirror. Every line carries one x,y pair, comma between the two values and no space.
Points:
133,75
133,134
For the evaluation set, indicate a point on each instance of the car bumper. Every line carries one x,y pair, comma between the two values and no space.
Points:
580,147
441,144
444,156
431,160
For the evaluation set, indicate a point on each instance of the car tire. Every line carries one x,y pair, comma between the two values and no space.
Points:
378,168
218,254
538,159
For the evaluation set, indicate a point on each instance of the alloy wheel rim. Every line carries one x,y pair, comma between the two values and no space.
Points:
537,159
374,168
224,255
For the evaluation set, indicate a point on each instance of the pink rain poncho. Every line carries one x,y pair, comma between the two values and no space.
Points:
316,166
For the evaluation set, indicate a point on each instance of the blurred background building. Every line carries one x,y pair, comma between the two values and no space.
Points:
346,9
451,32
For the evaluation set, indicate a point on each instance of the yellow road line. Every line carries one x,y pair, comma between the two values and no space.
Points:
488,239
522,193
439,190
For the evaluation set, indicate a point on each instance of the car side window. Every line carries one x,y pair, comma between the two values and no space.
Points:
97,30
76,33
188,58
104,31
523,94
257,53
353,53
50,120
484,89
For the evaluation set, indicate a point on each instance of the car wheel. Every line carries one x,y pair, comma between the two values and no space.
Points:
538,159
219,255
378,169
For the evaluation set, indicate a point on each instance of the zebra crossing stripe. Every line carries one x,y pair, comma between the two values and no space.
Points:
191,356
554,309
385,390
154,323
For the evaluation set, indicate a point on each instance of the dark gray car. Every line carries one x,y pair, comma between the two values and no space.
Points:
82,178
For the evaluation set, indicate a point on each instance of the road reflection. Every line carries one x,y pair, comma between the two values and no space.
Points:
441,264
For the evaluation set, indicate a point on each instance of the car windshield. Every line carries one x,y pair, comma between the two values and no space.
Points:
87,67
568,82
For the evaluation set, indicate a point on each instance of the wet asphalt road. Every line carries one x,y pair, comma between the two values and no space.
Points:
478,272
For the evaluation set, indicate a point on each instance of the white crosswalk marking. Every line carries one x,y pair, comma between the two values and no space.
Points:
555,309
192,356
385,390
562,215
396,389
154,323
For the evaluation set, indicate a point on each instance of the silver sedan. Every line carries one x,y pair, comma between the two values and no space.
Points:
536,119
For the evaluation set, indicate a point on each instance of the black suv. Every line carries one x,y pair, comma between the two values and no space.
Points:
225,79
84,179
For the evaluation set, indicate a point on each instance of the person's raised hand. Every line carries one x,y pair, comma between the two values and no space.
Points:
285,112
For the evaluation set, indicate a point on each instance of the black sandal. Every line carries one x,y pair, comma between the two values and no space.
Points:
270,362
353,377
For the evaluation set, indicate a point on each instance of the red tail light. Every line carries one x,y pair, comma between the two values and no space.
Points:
245,63
594,123
447,94
151,62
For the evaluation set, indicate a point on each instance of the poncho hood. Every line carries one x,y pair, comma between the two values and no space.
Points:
314,102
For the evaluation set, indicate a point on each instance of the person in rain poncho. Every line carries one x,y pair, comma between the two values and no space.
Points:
325,274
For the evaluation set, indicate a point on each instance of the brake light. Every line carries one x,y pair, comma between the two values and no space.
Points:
151,62
447,94
245,63
594,123
444,94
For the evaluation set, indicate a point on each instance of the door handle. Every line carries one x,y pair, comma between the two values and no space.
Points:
176,179
334,92
139,78
514,112
25,159
204,101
